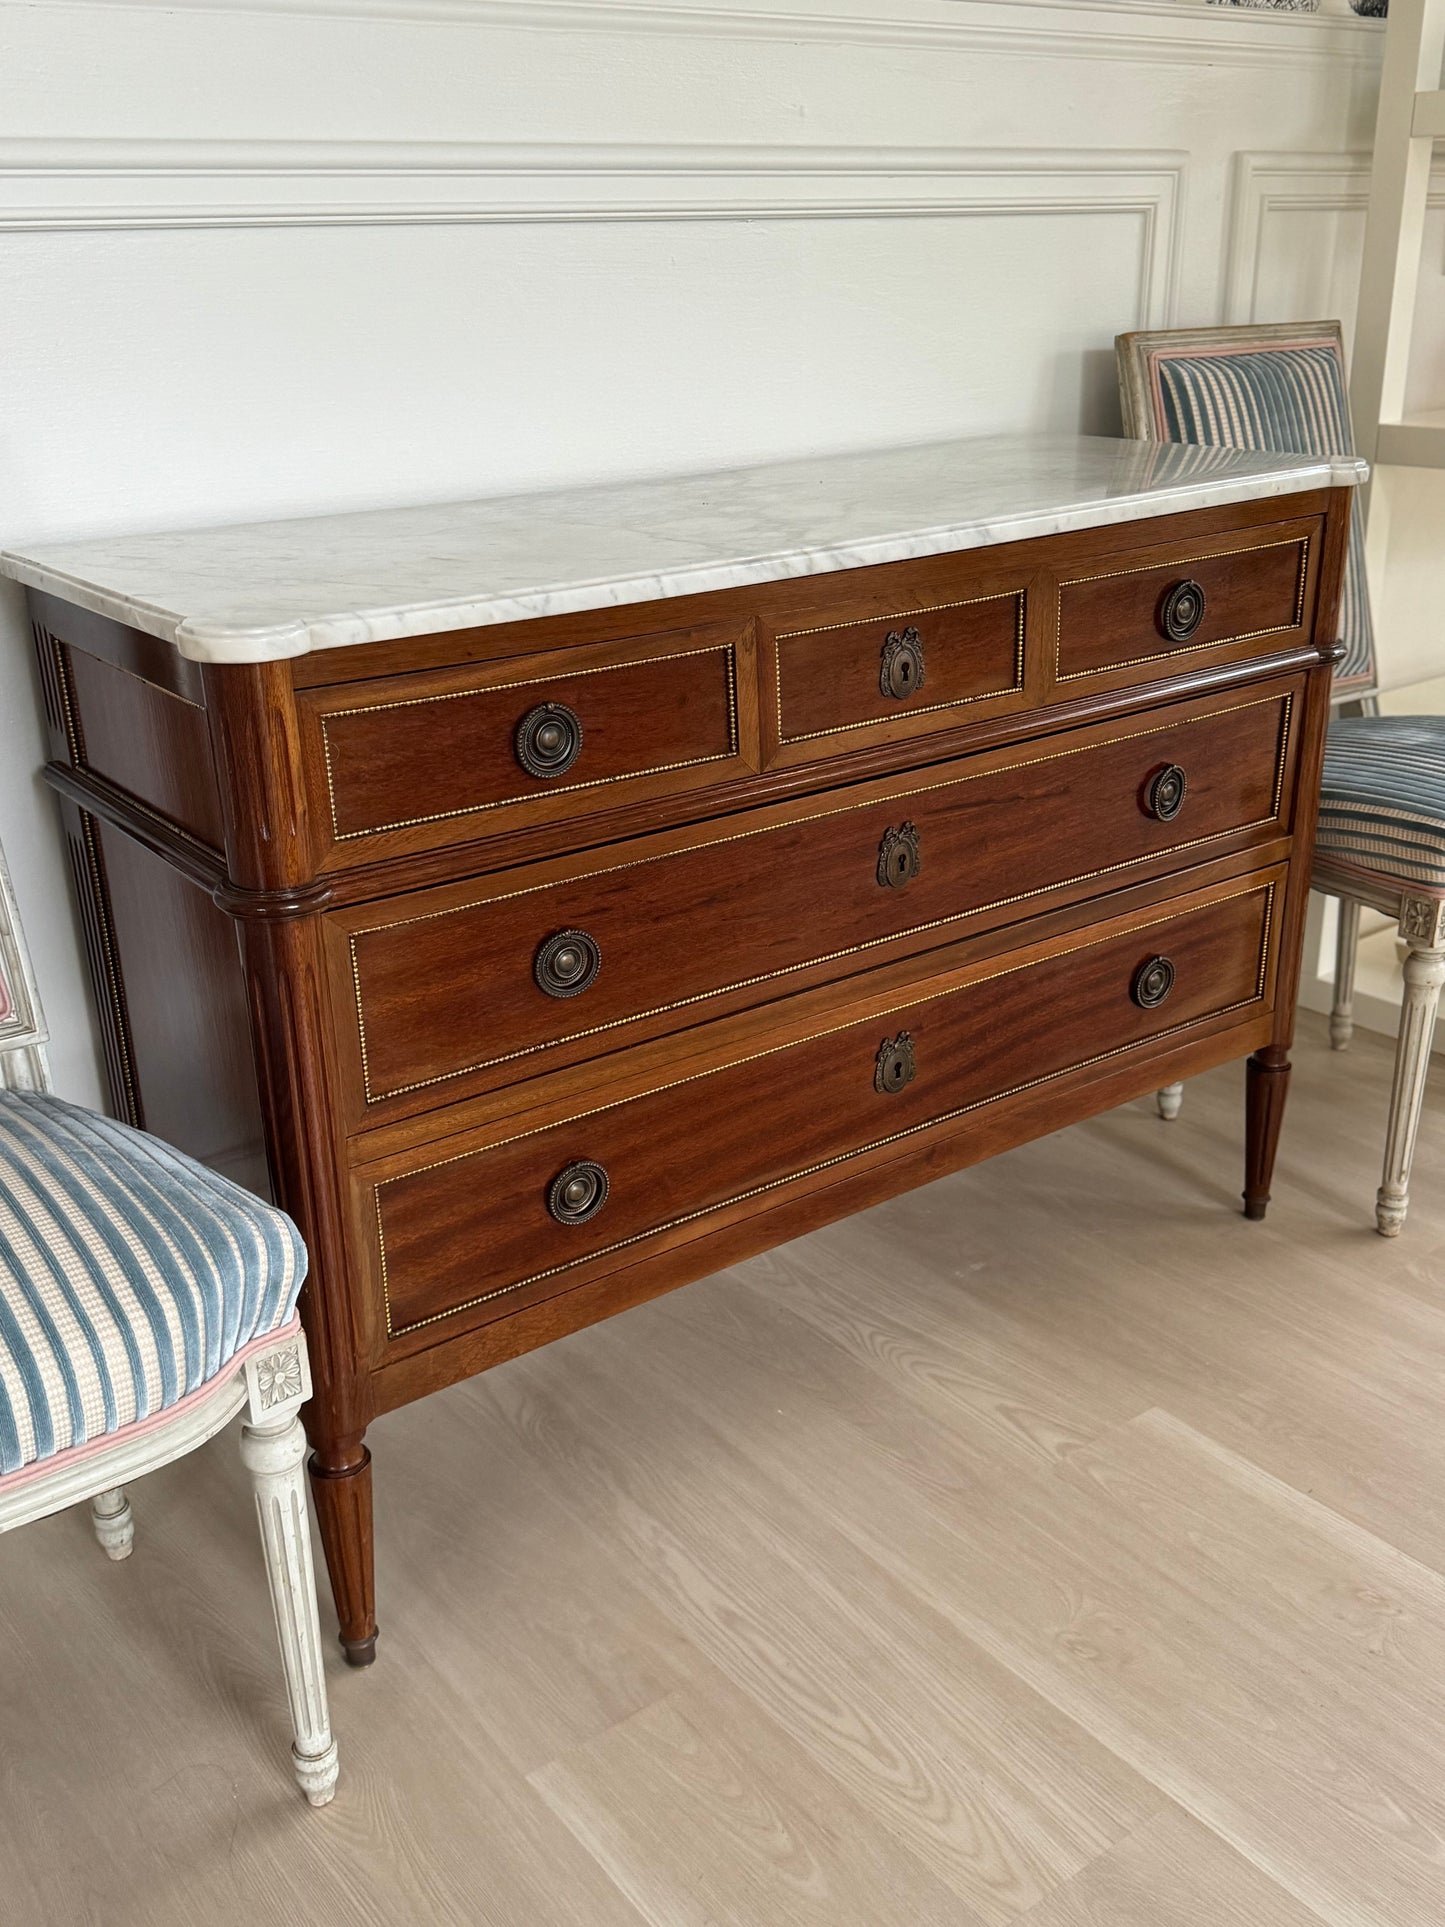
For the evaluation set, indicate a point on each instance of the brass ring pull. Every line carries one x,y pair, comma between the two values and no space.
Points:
1166,793
567,963
1182,610
900,667
1152,983
894,1065
578,1192
899,857
548,739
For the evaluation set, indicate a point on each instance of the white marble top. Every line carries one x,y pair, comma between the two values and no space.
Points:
267,590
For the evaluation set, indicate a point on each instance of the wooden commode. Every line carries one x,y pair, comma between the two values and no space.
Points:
555,899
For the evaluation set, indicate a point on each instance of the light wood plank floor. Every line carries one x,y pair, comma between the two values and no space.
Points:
1050,1546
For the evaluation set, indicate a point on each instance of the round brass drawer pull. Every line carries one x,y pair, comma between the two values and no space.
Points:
899,857
1167,792
894,1065
900,668
578,1192
548,739
1152,983
567,964
1182,610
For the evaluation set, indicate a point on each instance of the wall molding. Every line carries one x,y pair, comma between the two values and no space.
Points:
1171,32
1266,184
59,185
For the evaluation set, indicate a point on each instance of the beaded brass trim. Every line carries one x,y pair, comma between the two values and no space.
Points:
373,1096
1183,649
1267,891
1017,596
728,650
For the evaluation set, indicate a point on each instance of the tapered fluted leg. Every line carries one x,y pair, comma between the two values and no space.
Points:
1347,945
273,1449
273,1455
1422,925
1267,1086
114,1522
1170,1100
341,1489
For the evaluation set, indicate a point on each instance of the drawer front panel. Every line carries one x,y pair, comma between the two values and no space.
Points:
1236,596
482,1230
896,675
448,997
459,753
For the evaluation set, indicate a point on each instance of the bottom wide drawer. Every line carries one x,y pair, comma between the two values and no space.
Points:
485,1229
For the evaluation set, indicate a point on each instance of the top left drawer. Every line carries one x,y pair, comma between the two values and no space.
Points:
410,762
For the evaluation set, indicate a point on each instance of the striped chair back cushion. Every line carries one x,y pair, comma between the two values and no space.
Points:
1284,397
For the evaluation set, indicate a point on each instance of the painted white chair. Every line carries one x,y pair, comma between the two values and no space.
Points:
144,1302
1381,838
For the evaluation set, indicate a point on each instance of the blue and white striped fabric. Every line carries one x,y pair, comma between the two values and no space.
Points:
1286,398
1382,808
129,1276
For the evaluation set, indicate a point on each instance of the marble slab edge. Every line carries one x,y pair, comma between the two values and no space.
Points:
210,642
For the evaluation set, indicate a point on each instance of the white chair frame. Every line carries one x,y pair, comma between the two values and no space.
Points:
270,1384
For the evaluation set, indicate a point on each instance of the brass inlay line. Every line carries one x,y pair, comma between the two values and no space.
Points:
1183,649
831,956
926,709
824,1164
726,649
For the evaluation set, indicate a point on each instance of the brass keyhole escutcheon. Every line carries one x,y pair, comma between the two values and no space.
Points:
900,667
567,963
1181,610
1152,983
899,857
548,739
894,1066
1166,793
578,1192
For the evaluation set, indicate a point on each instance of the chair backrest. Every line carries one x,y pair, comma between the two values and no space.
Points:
23,1035
1279,387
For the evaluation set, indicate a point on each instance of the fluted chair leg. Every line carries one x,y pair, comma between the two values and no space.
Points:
273,1449
1170,1100
114,1522
1347,946
1422,925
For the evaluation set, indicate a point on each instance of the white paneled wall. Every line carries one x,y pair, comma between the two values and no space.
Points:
271,258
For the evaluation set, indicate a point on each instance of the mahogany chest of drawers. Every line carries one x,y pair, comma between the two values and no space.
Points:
553,940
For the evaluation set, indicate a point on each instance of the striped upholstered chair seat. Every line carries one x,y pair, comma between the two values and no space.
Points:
1382,801
130,1277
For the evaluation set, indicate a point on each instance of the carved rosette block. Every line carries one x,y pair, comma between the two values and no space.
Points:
1422,921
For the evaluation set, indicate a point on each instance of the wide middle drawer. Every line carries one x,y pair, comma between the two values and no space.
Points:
461,989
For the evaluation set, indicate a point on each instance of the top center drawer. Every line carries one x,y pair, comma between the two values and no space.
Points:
867,667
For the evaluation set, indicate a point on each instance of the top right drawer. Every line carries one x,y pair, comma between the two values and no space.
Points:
1215,599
